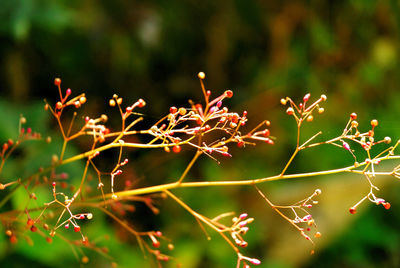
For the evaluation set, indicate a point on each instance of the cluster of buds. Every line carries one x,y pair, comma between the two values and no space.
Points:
303,111
239,228
371,197
182,125
72,219
77,101
117,101
366,139
94,128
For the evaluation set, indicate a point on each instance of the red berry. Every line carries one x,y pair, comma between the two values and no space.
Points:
68,92
229,93
353,116
141,103
30,222
57,81
156,244
352,210
386,205
176,149
173,110
13,239
306,97
77,228
158,233
33,228
290,111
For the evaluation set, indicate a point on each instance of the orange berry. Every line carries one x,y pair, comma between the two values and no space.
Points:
386,205
374,123
176,149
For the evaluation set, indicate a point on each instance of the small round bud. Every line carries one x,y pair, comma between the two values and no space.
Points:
201,75
119,101
283,101
57,81
290,111
68,92
82,99
77,228
229,93
104,118
306,97
374,123
318,191
310,118
173,110
386,205
354,124
318,235
34,228
22,120
111,103
323,97
141,103
182,111
85,259
352,210
321,110
176,149
387,140
353,116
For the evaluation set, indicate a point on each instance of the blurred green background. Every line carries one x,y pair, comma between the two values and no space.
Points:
263,51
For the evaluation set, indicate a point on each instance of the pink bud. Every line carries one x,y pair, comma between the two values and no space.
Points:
306,97
346,146
255,261
68,92
243,216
